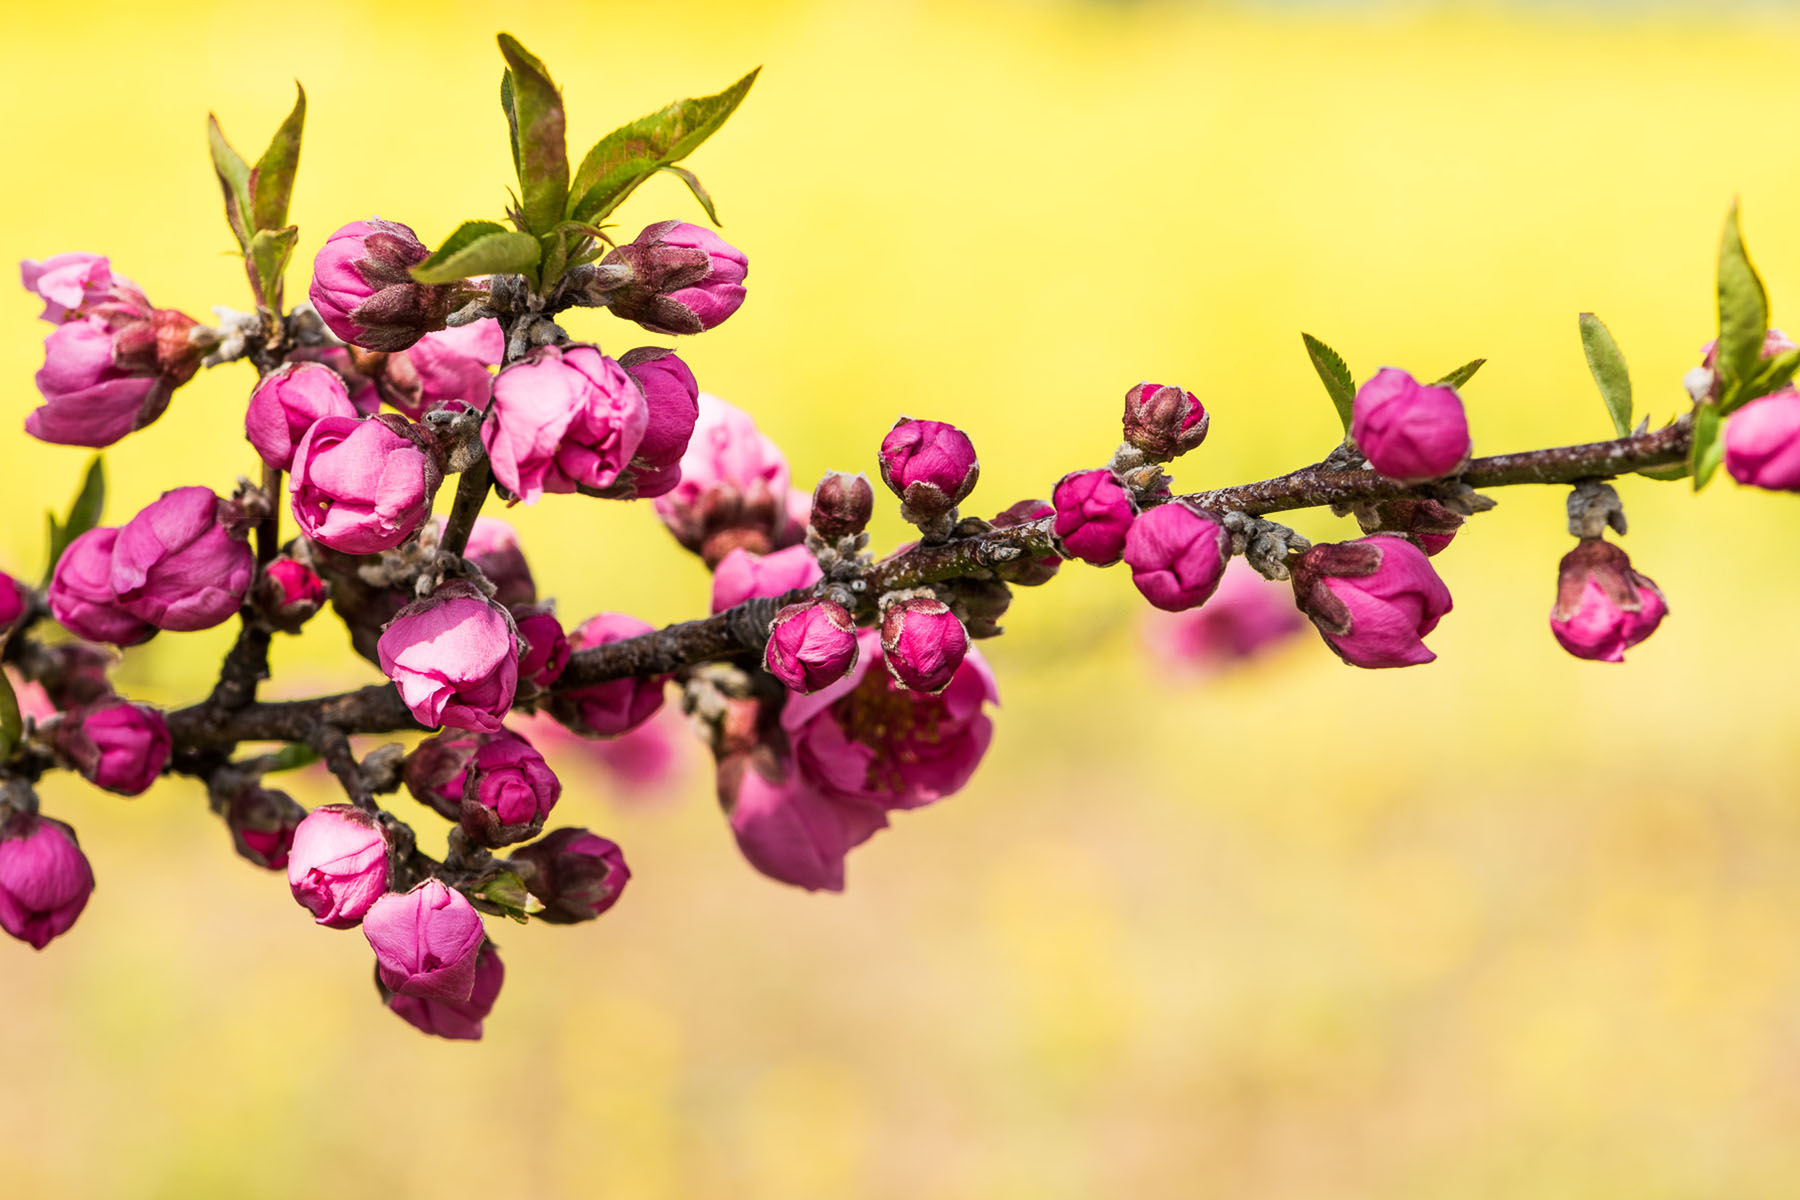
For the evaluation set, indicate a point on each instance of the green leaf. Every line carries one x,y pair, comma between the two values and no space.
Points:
267,257
293,756
271,182
510,107
12,725
234,180
507,892
1708,448
540,155
627,156
479,248
700,193
1667,474
1607,365
84,513
1462,374
1743,312
1334,373
1772,375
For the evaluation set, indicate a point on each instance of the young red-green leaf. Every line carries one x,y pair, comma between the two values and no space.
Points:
1462,374
627,156
234,180
510,107
84,513
508,894
540,155
700,193
1772,375
271,181
1708,448
1743,313
267,258
1334,373
1606,363
12,725
479,248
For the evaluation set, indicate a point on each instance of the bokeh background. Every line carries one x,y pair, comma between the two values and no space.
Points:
1506,925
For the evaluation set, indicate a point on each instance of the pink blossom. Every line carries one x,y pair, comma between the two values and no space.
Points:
1033,572
734,486
1603,607
425,942
454,656
923,643
45,879
1373,599
1762,442
178,565
285,405
563,419
361,485
81,596
69,283
494,547
450,364
338,864
13,600
438,767
811,645
363,288
930,465
115,745
289,594
508,790
841,504
1093,513
104,377
682,278
1164,422
576,874
742,576
1410,431
1177,555
546,650
1244,618
608,709
792,832
672,399
262,823
455,1019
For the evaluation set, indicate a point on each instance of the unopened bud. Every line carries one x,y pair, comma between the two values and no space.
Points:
811,646
576,874
288,594
842,504
1603,607
262,823
930,465
923,643
1164,421
1177,555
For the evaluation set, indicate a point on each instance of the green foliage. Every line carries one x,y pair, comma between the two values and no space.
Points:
534,114
84,514
1462,374
1606,363
256,199
267,259
1708,448
700,193
12,725
234,180
271,181
507,893
1743,317
1334,373
480,248
627,156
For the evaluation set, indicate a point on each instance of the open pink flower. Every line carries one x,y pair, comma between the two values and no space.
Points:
742,576
733,490
178,565
450,364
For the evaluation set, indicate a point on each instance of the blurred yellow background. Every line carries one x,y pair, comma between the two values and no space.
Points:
1507,925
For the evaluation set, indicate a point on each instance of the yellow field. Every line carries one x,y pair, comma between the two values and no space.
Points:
1507,925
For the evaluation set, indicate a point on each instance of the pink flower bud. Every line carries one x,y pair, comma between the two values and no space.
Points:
923,642
791,831
733,489
841,505
1094,512
1603,607
494,547
70,283
365,293
437,769
108,374
682,278
1373,599
1408,430
338,864
455,658
362,486
451,364
178,565
1031,572
285,405
563,419
1774,342
14,600
612,708
930,465
546,650
578,875
1164,421
1177,555
742,576
1427,522
262,823
115,745
45,880
425,942
1762,442
81,596
288,594
672,399
508,790
456,1019
811,646
356,368
1247,616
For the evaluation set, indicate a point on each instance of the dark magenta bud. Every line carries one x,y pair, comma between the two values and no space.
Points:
578,875
842,504
1164,421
